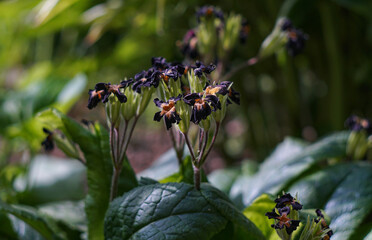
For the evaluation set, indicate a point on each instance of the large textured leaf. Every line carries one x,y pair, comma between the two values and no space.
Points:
95,146
44,225
351,202
175,211
288,161
315,190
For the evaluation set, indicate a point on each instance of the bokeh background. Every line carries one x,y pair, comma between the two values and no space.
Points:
53,51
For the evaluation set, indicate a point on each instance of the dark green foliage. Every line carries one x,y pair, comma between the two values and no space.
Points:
175,211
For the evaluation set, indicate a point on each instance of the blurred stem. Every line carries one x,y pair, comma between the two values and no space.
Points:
178,148
250,62
127,140
160,5
213,141
290,88
334,62
114,182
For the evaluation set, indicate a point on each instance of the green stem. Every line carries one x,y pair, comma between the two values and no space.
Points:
196,177
335,66
249,62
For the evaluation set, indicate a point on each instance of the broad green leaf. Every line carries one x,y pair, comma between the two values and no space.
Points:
289,160
6,228
351,202
51,179
256,213
46,226
94,143
315,190
175,211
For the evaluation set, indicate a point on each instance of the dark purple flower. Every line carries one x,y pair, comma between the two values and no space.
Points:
282,220
296,41
168,111
355,123
149,78
48,141
244,31
208,12
233,95
296,38
102,91
202,107
324,224
189,45
201,68
287,200
159,63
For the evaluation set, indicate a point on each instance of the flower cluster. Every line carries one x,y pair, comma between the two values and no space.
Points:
324,225
355,123
285,213
296,38
208,12
102,91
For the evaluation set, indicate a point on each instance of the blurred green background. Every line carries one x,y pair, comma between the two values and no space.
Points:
53,51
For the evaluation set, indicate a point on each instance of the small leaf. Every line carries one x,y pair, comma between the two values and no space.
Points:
175,211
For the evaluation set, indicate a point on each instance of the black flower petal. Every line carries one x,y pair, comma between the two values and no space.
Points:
48,141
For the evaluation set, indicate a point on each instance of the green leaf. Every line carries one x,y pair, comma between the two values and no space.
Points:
47,227
351,202
256,213
94,143
162,167
315,190
6,228
175,211
51,179
223,179
289,160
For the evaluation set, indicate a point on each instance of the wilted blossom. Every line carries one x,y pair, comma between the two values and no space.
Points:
355,123
102,91
282,220
287,200
296,38
202,106
244,31
324,224
168,111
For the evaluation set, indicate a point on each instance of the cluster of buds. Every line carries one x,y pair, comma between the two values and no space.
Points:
360,139
214,36
283,35
185,94
286,215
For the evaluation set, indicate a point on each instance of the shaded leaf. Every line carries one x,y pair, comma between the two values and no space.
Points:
351,202
44,225
287,162
175,211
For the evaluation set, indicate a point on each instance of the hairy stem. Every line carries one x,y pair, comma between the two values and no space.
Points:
114,182
196,177
200,158
124,150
